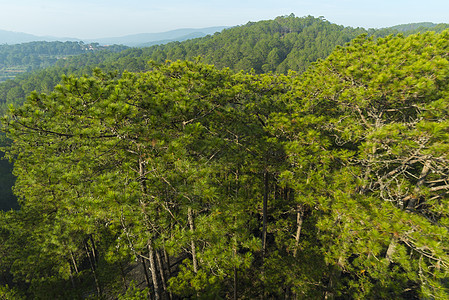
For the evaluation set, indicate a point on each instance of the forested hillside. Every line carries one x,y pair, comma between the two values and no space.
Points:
182,180
420,27
13,37
20,58
286,43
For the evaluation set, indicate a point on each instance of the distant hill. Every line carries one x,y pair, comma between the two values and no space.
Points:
285,43
413,26
190,36
419,27
12,37
135,40
149,39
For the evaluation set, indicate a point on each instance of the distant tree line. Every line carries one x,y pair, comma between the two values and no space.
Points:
19,58
279,45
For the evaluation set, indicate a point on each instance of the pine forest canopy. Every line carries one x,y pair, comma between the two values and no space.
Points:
327,183
279,45
286,43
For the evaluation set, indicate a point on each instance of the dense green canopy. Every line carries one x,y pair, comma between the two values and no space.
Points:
367,134
328,184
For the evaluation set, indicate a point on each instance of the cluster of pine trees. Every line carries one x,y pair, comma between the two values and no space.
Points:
284,43
327,184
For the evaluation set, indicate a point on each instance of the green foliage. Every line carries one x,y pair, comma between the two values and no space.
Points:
16,59
134,293
10,293
143,152
331,183
366,137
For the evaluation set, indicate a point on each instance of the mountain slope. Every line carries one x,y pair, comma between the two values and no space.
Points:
413,26
11,37
286,43
193,35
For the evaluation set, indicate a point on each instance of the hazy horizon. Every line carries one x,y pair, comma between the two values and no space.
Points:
110,37
98,19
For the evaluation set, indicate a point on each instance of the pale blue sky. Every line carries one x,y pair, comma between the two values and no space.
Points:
108,18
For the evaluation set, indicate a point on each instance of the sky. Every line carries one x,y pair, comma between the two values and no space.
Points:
114,18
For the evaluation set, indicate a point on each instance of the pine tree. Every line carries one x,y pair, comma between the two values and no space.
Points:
367,130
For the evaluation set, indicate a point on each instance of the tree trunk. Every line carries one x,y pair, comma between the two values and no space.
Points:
333,279
299,220
167,262
411,205
234,252
391,249
93,268
147,277
143,187
264,229
71,278
122,271
235,283
94,249
74,262
161,271
192,228
265,215
157,292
